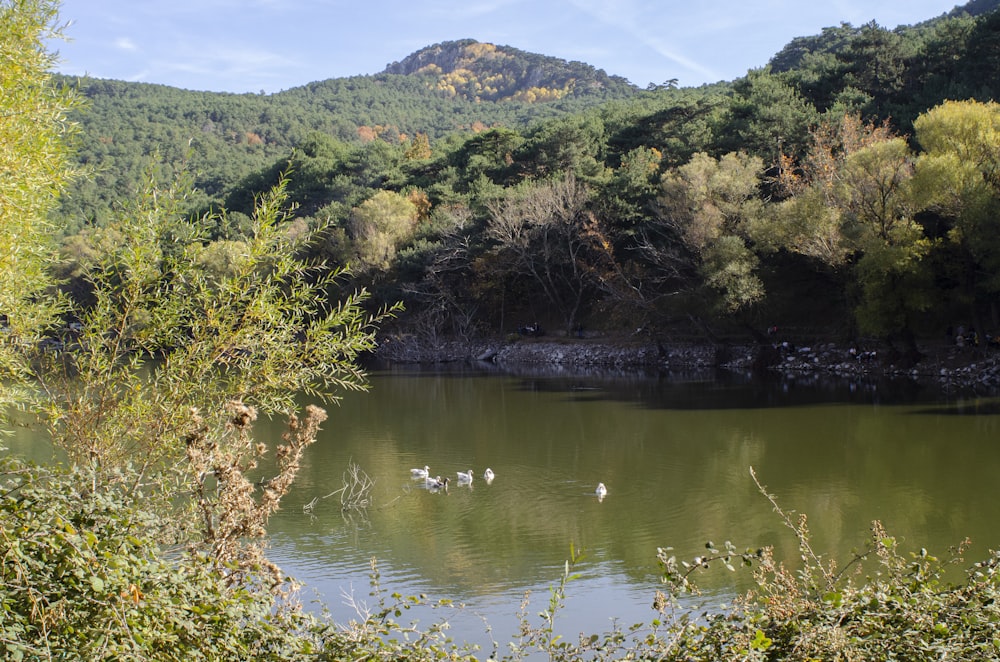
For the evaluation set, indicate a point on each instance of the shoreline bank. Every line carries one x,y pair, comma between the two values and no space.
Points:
950,367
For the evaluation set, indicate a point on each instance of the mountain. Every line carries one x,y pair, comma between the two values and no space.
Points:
487,72
455,87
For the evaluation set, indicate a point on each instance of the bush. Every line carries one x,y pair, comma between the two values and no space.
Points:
83,578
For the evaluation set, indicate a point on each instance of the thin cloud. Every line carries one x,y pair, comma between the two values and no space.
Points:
255,69
625,16
466,10
125,44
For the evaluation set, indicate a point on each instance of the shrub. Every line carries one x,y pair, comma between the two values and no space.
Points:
83,578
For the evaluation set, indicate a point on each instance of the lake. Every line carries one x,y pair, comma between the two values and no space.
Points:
674,451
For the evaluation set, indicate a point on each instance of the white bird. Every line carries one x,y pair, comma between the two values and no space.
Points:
601,491
421,473
488,475
464,477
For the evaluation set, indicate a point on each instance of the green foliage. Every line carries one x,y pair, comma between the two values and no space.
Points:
570,145
767,117
228,139
84,578
433,122
490,153
380,225
176,322
36,164
710,205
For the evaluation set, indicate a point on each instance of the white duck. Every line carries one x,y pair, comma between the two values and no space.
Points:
421,473
601,491
489,475
464,477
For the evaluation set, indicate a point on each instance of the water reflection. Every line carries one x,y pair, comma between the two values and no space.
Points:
674,455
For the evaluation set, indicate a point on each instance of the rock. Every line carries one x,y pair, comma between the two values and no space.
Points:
945,366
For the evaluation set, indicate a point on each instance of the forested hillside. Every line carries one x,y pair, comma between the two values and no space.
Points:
221,138
849,186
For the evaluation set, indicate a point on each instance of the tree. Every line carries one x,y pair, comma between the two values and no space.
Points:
767,117
380,225
708,206
852,205
878,199
151,391
567,145
874,63
545,234
418,149
488,153
436,273
979,62
958,179
35,159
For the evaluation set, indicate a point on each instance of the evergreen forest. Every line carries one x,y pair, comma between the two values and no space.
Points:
847,185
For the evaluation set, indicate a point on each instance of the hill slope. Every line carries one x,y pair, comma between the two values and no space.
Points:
224,137
478,71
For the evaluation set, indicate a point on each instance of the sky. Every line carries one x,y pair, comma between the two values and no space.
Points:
273,45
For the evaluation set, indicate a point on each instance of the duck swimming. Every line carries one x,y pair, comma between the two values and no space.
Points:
421,473
437,483
601,491
488,475
464,477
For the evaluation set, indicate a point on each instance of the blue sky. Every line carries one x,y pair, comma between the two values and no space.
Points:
272,45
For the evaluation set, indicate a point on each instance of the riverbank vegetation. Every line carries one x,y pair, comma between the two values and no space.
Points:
146,336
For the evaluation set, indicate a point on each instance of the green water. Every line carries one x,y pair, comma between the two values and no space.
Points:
675,454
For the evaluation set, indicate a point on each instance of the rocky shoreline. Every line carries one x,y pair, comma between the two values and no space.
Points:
951,367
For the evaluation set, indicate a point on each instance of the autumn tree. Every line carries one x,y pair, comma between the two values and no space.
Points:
418,148
545,234
852,211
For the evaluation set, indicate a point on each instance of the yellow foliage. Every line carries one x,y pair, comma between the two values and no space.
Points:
477,51
421,202
542,94
419,148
